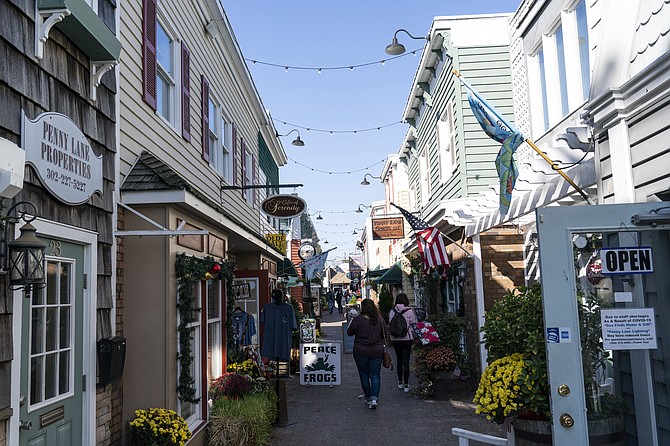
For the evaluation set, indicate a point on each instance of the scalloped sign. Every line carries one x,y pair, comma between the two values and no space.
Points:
283,206
62,156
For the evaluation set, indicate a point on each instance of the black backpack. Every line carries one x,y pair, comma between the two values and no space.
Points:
398,324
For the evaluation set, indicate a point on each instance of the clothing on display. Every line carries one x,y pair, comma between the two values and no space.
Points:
244,327
279,321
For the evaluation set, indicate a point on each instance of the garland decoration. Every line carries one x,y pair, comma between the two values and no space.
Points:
190,271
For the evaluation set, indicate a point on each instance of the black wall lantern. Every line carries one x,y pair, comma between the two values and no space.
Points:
22,258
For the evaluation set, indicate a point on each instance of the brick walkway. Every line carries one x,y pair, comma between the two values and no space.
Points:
321,415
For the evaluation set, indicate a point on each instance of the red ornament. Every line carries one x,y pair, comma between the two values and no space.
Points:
216,269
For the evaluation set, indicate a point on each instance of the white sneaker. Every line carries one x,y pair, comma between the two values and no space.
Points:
400,386
373,404
406,389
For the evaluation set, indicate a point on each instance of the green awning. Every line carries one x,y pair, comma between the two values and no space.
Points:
391,276
376,273
286,267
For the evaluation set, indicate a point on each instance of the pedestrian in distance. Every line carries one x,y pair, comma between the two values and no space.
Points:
331,301
368,331
402,337
338,300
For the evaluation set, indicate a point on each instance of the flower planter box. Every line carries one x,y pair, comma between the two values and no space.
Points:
605,431
446,384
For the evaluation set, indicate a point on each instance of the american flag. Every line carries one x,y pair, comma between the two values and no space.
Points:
431,245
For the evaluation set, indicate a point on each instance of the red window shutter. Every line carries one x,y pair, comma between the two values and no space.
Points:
185,92
149,51
234,153
205,118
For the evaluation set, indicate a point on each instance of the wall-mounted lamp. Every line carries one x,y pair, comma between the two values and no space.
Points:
365,181
359,210
653,218
319,217
296,142
22,258
395,48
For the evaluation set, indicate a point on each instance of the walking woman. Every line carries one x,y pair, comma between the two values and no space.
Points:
403,344
368,331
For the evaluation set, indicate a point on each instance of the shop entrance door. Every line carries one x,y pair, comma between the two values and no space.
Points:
52,378
619,255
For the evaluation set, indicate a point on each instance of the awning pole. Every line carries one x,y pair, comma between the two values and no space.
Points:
554,167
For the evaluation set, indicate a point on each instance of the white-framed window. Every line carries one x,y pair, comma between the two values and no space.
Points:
424,178
559,68
220,141
446,143
167,74
214,331
248,176
192,412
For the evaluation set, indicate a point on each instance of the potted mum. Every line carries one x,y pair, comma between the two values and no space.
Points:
514,387
157,427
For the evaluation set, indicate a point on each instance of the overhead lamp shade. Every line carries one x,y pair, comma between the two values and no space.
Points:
359,210
395,48
365,182
319,217
298,142
26,258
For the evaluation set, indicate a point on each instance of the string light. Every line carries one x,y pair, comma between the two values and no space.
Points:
348,172
319,69
316,211
311,129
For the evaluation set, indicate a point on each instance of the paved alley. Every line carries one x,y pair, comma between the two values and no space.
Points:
320,415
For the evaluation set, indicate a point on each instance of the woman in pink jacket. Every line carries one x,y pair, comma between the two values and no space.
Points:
403,344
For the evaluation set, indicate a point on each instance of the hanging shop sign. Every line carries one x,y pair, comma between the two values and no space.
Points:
62,156
320,364
388,228
278,241
283,206
630,260
628,328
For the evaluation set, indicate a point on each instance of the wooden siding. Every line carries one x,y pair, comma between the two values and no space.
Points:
142,129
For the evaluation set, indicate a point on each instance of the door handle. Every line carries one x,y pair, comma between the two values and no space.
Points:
25,425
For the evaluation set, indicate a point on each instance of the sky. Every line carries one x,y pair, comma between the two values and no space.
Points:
342,33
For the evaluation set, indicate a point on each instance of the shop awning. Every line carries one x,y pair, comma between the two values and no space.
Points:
340,279
286,267
375,273
391,276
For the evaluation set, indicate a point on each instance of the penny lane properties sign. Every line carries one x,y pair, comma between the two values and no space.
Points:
62,156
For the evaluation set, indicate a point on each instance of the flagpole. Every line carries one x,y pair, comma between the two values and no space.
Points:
530,143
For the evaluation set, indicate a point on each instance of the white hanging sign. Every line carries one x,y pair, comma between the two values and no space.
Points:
320,364
629,260
62,156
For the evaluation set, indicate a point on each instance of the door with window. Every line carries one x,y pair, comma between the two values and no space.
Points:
52,380
604,274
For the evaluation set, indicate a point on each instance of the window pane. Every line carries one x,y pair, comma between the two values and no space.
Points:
543,86
563,82
52,277
65,327
36,374
50,376
37,331
163,97
64,373
213,300
583,42
65,275
52,328
164,50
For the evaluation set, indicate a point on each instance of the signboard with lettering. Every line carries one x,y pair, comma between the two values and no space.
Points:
388,228
320,364
629,260
628,328
283,206
278,241
62,156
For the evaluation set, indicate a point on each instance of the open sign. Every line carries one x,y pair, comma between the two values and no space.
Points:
630,260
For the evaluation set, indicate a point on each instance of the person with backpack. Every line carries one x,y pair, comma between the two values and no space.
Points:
401,320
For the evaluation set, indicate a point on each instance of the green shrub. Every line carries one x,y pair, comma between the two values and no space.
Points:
385,300
243,422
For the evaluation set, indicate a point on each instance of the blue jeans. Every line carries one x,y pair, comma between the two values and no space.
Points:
369,371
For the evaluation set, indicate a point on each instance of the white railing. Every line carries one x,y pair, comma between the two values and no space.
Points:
464,437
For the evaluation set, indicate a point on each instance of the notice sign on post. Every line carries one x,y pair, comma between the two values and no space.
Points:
630,260
320,364
628,328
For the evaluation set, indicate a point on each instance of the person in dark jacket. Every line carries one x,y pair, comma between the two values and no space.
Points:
368,331
403,344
